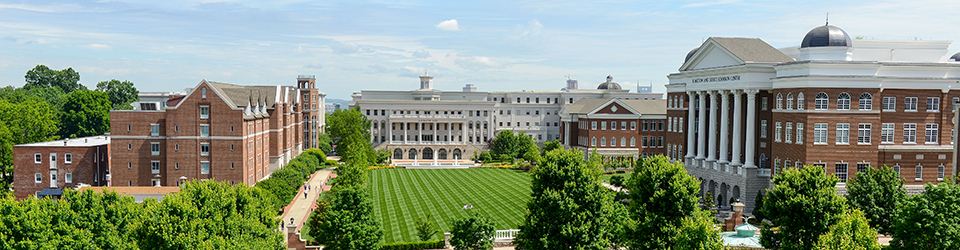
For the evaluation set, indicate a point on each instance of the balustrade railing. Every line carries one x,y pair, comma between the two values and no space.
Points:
505,234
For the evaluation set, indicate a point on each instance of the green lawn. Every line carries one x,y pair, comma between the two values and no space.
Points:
402,195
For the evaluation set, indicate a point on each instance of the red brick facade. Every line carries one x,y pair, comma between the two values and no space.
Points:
72,162
615,127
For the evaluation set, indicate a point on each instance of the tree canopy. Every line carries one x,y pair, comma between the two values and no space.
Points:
121,94
851,233
28,121
348,129
473,232
41,76
877,192
930,220
86,113
350,223
802,205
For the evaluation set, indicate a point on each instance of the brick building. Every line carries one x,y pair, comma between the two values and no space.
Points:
832,102
221,131
615,127
60,164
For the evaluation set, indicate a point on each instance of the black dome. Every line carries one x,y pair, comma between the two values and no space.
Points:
825,36
690,54
609,84
956,57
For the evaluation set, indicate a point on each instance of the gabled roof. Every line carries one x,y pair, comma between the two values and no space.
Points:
590,106
240,95
742,50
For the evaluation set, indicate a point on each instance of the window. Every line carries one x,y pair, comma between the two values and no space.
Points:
646,125
933,104
933,131
154,167
203,92
128,127
613,142
660,141
788,133
68,177
862,167
231,128
37,178
843,133
789,101
623,141
603,142
623,125
680,126
593,142
154,129
37,158
660,125
205,112
763,103
940,170
645,142
819,133
613,125
538,100
822,101
896,168
204,130
843,101
889,104
776,132
866,101
633,125
910,104
840,170
763,128
800,101
886,132
919,172
863,133
909,133
593,125
67,158
779,101
799,133
603,126
155,148
204,148
956,102
633,141
204,167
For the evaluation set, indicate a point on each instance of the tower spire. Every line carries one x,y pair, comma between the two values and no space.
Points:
828,19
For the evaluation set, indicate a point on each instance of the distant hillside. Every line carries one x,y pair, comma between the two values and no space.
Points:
342,102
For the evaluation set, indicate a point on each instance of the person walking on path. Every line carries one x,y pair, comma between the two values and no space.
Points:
304,194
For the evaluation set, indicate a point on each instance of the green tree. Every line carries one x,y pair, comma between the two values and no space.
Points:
758,207
930,220
317,218
532,154
121,94
426,228
550,146
281,190
325,143
877,192
350,224
85,113
41,76
570,209
348,128
801,206
851,233
350,175
22,122
474,232
664,205
505,143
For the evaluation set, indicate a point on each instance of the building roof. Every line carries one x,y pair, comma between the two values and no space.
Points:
826,36
752,49
647,107
75,142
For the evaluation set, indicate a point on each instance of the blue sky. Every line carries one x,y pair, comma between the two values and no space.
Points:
354,45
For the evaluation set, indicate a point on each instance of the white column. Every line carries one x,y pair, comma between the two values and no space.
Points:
712,140
724,126
405,132
419,133
449,132
434,133
737,127
390,133
751,128
691,136
702,131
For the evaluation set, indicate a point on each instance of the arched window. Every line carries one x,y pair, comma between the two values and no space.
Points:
623,141
456,154
442,154
843,101
412,153
428,154
397,154
822,101
593,142
789,101
800,101
866,101
779,101
603,141
613,142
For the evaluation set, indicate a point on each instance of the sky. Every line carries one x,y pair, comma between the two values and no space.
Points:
351,46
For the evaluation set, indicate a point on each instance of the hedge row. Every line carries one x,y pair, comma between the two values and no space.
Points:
285,182
415,245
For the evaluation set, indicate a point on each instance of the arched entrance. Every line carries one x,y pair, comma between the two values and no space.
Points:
456,154
702,188
412,153
442,154
722,197
713,188
736,194
428,154
397,154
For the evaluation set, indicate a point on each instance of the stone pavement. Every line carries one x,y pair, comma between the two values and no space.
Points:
300,208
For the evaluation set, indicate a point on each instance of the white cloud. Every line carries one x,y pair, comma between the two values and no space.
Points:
449,25
476,62
96,46
313,66
711,3
421,53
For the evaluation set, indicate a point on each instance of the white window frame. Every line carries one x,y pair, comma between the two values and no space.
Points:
789,101
204,115
799,133
787,133
67,158
890,104
843,133
37,158
633,141
910,133
842,176
37,178
918,172
623,141
940,170
776,131
593,125
205,127
800,101
910,104
154,167
864,133
154,148
154,129
933,104
820,133
843,101
204,167
779,104
887,133
603,126
763,128
866,101
204,145
603,141
593,141
821,101
68,177
931,134
633,125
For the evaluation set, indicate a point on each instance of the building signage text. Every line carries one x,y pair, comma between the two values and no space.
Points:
716,79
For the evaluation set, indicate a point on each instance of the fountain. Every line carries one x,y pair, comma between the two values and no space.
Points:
456,162
415,163
435,161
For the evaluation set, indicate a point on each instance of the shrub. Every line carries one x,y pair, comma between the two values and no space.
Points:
433,244
616,180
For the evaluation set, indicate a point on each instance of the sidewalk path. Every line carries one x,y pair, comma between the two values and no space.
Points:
300,208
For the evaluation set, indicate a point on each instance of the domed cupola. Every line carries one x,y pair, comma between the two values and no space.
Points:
826,36
956,57
609,84
690,54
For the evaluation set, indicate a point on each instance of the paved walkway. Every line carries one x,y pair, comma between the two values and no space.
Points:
300,208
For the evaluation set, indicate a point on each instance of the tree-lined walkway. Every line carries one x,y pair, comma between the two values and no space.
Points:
300,208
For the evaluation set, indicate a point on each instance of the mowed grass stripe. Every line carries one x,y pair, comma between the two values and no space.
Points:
402,195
